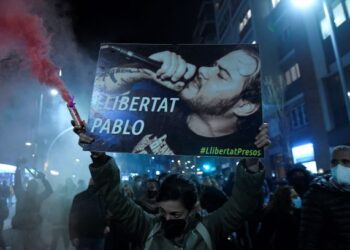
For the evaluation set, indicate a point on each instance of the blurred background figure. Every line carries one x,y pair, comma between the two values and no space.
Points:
280,223
28,219
88,220
325,217
4,213
5,191
148,201
81,185
299,178
58,208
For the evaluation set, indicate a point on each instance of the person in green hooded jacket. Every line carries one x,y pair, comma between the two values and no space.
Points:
177,226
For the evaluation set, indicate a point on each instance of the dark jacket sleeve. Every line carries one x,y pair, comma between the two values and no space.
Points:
126,213
243,202
47,191
312,220
18,187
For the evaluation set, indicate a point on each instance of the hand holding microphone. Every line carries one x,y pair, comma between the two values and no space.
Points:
166,67
175,72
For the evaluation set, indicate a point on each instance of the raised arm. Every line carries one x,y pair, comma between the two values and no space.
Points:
127,214
246,193
47,187
18,187
243,202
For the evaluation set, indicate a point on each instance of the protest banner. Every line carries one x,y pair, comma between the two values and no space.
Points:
177,100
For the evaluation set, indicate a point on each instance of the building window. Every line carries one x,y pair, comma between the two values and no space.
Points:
325,28
339,18
274,3
347,4
292,74
245,20
339,15
298,118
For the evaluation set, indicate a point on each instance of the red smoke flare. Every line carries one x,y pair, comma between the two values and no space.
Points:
19,26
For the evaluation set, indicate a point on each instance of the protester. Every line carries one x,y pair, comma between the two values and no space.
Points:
88,220
5,191
177,226
211,199
4,213
299,178
81,185
280,222
58,214
325,217
148,201
28,219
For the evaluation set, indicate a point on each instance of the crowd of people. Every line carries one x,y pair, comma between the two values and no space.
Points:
242,211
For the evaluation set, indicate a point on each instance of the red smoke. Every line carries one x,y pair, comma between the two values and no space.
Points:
18,26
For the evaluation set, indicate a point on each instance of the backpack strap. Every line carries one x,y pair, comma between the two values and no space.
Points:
203,231
149,239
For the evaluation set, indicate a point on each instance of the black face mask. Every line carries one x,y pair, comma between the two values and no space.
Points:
173,228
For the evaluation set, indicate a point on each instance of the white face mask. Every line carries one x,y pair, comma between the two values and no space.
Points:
341,174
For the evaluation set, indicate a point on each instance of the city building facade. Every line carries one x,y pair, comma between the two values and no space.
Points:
305,84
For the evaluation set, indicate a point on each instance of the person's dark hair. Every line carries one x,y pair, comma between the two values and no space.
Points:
297,169
281,200
152,180
177,187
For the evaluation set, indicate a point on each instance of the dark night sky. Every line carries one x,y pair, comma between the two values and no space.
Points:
133,21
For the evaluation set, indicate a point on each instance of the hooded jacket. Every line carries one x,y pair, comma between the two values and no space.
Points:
145,228
325,217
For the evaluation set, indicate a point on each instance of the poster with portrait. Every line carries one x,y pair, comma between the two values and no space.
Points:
177,100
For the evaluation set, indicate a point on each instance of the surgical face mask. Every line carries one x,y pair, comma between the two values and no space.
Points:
297,202
341,174
173,228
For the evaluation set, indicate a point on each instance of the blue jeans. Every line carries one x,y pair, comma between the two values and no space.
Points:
91,244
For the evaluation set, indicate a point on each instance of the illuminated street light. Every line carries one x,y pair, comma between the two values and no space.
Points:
54,172
28,144
53,92
77,160
60,72
303,3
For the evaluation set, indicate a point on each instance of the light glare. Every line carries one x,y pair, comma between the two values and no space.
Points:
54,172
303,4
53,92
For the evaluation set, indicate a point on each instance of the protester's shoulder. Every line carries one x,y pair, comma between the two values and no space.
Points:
82,195
320,187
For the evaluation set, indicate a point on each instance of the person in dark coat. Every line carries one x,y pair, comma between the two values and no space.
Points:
280,223
4,213
299,178
88,220
28,219
325,217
